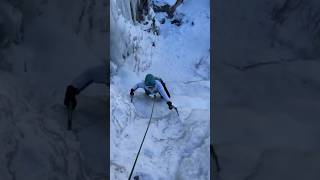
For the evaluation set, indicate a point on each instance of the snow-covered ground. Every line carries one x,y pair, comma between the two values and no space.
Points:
44,45
175,147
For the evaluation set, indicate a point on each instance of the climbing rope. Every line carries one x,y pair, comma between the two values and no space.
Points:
154,100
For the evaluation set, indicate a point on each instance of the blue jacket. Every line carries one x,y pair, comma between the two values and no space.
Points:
157,89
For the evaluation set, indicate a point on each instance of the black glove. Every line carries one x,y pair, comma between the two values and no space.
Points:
70,97
170,105
131,92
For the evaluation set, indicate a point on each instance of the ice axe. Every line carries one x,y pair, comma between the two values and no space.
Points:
215,157
70,108
175,108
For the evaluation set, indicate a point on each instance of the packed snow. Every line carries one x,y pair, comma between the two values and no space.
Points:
175,147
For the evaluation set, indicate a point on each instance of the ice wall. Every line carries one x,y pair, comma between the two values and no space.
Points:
126,32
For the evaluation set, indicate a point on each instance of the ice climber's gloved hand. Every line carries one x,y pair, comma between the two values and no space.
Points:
70,97
131,92
170,105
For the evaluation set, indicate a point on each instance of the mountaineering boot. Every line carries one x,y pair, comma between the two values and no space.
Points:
70,97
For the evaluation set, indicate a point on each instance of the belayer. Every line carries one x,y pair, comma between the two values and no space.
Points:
153,85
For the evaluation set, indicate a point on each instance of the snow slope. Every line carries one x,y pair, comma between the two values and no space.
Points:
44,45
175,147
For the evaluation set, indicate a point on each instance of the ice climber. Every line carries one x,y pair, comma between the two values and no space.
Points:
153,85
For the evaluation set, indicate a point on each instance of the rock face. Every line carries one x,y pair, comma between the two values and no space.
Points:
43,46
266,83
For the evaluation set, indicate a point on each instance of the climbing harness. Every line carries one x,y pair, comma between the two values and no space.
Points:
134,164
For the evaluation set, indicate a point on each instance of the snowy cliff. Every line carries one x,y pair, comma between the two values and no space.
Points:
175,147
